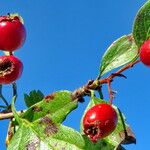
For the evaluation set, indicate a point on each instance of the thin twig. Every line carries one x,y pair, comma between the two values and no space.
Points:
123,69
9,115
1,106
109,79
2,97
14,86
105,80
95,84
6,115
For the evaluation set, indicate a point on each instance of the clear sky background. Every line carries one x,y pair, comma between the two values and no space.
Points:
65,42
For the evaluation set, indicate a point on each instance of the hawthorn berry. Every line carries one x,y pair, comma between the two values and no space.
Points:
12,33
145,53
10,69
99,121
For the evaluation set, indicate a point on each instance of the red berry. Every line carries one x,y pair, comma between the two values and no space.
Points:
10,69
99,121
145,53
12,33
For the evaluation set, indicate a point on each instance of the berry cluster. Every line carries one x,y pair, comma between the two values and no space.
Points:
100,120
12,37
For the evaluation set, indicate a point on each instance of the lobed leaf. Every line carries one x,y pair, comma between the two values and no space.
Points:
33,97
141,25
121,52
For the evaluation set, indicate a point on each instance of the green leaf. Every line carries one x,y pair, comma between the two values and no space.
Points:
59,136
46,132
122,134
121,52
33,97
45,136
57,104
141,25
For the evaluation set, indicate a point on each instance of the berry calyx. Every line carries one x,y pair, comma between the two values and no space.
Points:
12,33
145,53
10,69
99,121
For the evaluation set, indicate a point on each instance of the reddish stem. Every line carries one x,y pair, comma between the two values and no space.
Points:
109,79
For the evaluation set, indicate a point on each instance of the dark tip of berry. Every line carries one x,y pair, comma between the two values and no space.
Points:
93,132
5,67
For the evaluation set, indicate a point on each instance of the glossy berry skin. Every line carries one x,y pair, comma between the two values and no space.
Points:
145,53
12,33
10,69
99,121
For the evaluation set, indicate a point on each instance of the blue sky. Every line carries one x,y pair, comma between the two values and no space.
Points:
65,42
